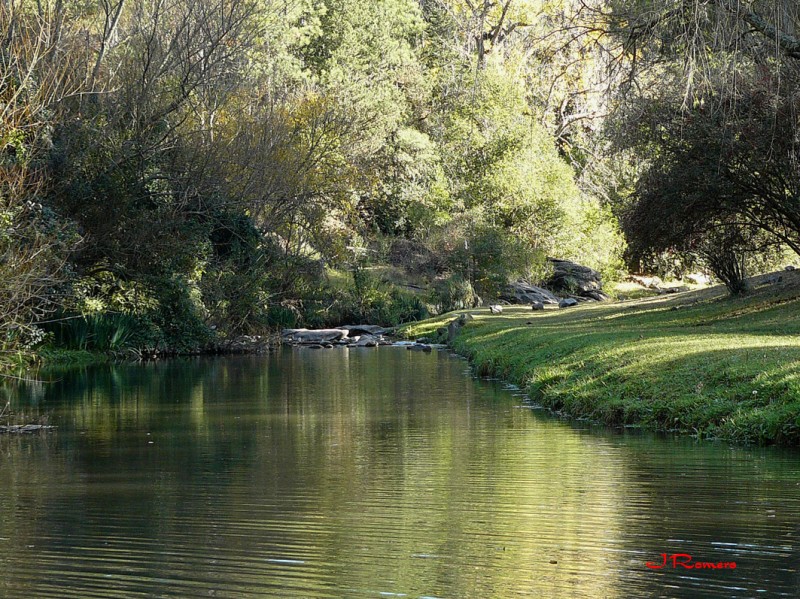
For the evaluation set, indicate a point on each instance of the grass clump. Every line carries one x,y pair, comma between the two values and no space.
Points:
699,362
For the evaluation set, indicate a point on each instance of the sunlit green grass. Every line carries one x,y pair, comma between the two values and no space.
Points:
697,362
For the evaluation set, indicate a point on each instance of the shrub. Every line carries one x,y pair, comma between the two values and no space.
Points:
454,293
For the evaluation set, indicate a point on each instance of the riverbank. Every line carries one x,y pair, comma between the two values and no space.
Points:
697,362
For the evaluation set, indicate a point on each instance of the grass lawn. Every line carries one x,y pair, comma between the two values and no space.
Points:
698,362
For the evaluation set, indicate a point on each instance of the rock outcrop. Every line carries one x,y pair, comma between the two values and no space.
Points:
455,326
339,337
574,279
567,302
245,344
364,329
523,292
649,282
318,336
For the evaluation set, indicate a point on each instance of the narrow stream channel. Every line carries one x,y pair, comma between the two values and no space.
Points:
371,473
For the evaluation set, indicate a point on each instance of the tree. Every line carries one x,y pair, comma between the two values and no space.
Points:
33,243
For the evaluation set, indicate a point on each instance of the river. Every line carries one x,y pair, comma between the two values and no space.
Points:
371,473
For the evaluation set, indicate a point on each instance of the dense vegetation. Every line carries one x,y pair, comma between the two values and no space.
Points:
176,173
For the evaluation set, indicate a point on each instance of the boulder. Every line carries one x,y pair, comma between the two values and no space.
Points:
569,277
671,290
306,336
537,306
367,341
496,309
364,329
455,326
790,268
596,295
420,347
649,282
567,302
522,292
247,344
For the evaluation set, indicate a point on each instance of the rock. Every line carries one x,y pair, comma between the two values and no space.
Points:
364,329
537,306
670,290
522,292
455,326
790,268
249,344
420,347
496,309
567,302
598,296
453,329
305,336
569,277
367,341
649,282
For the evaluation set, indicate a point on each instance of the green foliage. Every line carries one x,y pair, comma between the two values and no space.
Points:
281,317
592,237
203,175
372,301
179,318
453,293
360,298
107,332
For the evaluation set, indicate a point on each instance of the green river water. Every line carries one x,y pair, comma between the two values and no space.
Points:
370,473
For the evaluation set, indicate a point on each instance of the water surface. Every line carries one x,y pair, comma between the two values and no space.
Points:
370,473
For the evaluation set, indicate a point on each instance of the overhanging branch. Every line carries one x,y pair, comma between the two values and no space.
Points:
789,44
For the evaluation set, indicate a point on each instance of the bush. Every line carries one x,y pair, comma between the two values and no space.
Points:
454,293
281,317
364,300
179,317
490,257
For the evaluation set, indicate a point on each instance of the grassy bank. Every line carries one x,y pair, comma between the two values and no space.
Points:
698,362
